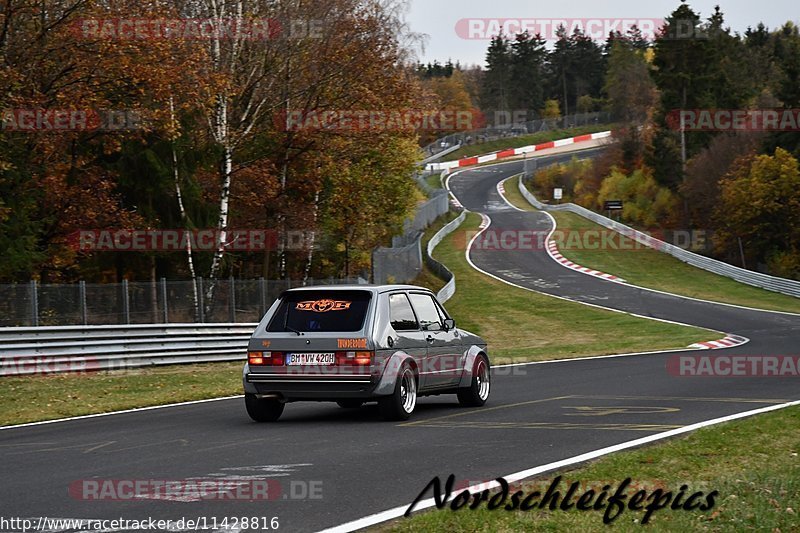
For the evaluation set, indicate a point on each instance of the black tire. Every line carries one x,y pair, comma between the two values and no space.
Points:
400,404
478,391
350,403
263,410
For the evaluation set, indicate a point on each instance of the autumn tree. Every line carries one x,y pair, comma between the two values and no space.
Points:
631,97
366,201
700,188
759,206
63,179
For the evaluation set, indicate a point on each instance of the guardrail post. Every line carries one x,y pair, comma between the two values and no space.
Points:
126,304
201,304
164,299
34,303
82,297
232,300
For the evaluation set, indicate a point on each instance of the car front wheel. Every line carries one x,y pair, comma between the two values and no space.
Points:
400,404
478,391
263,410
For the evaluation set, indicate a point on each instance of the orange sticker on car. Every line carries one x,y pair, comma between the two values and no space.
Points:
323,306
266,344
352,343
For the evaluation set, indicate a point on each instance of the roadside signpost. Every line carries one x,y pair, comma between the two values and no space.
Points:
612,205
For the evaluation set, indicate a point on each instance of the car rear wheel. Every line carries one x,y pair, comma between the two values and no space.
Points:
478,391
400,404
264,409
350,404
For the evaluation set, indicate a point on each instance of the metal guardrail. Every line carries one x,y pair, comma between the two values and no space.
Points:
505,127
42,350
438,155
756,279
446,292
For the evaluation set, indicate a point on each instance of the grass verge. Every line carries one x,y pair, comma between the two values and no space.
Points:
557,329
45,397
434,181
753,463
523,140
649,268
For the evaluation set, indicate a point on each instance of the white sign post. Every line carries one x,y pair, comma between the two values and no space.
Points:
558,193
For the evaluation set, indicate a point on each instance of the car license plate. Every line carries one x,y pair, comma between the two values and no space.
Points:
308,359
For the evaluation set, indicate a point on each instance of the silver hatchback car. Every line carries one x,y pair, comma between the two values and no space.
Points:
353,344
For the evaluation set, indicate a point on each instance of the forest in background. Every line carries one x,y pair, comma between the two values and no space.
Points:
739,188
210,148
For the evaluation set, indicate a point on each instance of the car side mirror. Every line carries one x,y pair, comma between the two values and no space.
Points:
449,324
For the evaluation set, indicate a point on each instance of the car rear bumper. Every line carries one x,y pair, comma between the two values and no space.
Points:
311,387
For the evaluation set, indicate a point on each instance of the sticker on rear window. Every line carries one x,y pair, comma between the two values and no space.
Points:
323,306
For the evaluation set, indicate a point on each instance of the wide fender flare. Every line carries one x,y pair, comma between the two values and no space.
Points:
249,388
391,371
469,363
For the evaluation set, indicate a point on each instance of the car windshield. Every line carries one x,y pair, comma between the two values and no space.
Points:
321,311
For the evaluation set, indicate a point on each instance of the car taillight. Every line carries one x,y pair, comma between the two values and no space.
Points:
354,358
266,358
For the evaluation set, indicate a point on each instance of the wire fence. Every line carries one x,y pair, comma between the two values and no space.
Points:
154,302
402,262
511,129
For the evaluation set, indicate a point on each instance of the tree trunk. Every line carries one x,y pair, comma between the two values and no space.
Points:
312,238
184,218
153,290
282,220
226,171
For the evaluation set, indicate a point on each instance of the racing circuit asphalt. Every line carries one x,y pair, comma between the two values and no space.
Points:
357,465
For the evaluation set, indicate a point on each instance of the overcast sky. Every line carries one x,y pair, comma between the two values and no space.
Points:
447,37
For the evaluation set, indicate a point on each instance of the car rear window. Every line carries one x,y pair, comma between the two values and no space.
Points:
322,311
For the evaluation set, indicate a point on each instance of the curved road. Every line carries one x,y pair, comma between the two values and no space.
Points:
329,466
